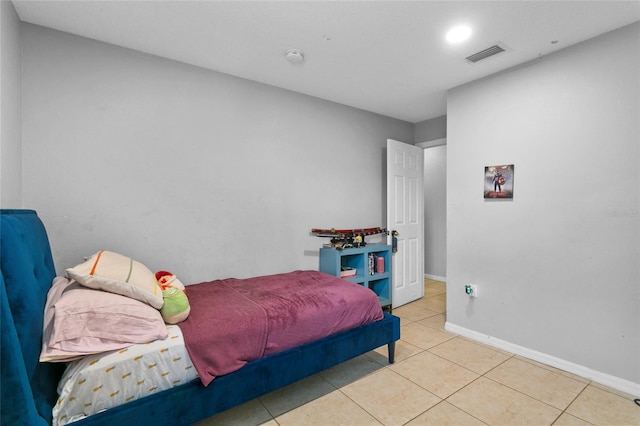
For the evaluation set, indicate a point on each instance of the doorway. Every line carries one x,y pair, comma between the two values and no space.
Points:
435,209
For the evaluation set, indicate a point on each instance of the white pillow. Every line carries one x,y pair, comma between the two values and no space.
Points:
118,274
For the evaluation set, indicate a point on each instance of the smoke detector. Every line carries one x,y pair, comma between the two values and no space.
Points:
295,56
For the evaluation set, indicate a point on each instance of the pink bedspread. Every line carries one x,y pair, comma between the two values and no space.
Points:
234,321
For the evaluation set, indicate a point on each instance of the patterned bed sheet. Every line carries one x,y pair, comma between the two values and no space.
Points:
102,381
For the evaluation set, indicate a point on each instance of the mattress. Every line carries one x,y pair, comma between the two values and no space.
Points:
98,382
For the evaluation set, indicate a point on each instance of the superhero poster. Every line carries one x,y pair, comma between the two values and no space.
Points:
498,181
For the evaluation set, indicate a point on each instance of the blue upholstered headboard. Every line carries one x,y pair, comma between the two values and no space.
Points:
28,387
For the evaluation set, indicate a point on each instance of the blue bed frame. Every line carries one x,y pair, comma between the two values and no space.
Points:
28,387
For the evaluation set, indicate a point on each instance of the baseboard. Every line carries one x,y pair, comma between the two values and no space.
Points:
435,277
618,383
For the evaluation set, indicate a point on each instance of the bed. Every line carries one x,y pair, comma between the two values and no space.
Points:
29,387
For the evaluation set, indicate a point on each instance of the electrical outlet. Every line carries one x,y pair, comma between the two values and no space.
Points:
471,290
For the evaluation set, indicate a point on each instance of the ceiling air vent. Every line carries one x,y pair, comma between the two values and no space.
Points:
484,54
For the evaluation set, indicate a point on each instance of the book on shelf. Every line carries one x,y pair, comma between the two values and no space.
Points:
347,272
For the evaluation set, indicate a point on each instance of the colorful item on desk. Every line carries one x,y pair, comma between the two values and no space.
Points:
345,238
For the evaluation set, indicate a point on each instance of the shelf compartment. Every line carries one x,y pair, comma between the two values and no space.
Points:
354,261
332,261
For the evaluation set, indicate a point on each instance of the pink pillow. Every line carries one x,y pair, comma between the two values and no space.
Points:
80,321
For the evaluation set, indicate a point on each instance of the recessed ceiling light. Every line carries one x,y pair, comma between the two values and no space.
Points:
458,34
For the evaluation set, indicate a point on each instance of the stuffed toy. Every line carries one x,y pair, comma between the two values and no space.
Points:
176,305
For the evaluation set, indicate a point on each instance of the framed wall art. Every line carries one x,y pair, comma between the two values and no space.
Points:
498,181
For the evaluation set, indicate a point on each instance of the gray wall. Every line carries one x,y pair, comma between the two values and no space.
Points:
188,170
556,268
428,130
10,106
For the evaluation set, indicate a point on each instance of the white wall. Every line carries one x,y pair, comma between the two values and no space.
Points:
188,170
10,108
435,212
557,267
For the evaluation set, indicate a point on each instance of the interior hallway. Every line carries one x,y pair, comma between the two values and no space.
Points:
439,378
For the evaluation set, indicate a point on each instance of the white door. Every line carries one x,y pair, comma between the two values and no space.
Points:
405,216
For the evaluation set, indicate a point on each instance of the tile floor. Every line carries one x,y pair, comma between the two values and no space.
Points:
439,378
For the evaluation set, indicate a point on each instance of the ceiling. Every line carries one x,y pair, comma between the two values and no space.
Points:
388,57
